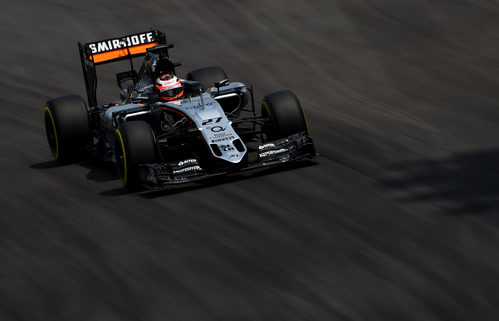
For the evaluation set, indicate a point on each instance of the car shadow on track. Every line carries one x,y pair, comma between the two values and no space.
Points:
100,171
45,165
463,184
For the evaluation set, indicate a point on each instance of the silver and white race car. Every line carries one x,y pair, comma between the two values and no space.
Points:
207,131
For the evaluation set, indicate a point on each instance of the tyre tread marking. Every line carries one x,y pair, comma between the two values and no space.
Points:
264,104
305,119
124,180
47,109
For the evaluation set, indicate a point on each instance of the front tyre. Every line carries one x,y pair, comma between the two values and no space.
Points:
135,143
67,128
286,116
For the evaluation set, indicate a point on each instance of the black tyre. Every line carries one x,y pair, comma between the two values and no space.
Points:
286,115
67,128
207,76
135,143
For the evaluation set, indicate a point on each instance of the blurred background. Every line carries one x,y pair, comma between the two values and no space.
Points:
398,219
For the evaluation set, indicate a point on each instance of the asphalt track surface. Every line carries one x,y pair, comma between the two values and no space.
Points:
397,220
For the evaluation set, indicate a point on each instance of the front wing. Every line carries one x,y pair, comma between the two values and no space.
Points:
292,148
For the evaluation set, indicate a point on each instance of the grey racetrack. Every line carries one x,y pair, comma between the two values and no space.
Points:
397,220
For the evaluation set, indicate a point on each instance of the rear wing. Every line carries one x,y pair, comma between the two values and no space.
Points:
111,50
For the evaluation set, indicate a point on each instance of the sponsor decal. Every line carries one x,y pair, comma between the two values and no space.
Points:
188,169
121,43
217,129
213,120
227,148
187,161
272,152
178,180
265,146
193,106
177,102
222,139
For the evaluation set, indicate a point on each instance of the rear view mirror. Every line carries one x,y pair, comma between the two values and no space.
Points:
222,83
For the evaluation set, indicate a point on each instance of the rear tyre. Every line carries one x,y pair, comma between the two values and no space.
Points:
67,128
286,115
207,76
135,143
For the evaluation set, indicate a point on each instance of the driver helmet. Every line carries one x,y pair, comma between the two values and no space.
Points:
169,87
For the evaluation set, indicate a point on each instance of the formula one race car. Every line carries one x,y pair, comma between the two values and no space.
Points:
166,130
